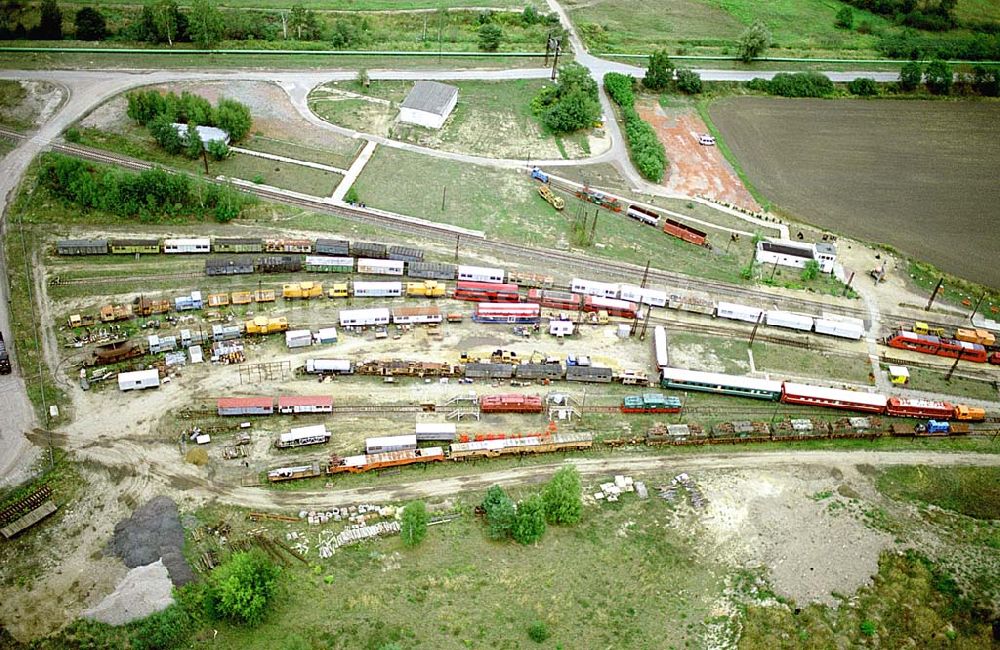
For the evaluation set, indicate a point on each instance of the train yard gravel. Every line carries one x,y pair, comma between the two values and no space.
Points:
151,534
144,591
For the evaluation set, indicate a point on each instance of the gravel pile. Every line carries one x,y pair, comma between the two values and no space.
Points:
153,532
144,591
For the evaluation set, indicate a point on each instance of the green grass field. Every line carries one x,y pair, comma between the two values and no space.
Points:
345,5
340,152
972,491
506,205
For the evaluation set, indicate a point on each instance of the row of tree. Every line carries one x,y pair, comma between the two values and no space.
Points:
644,146
937,77
146,195
559,503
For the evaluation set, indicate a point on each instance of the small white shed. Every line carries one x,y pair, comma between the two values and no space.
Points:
139,379
561,328
429,104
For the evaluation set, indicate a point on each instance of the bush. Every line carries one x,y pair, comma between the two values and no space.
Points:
242,586
759,84
234,118
939,77
499,509
845,18
753,42
414,525
352,195
193,146
645,148
910,76
659,72
810,271
863,87
986,81
868,628
571,104
163,630
72,135
218,149
165,133
563,497
490,35
529,520
50,24
538,632
800,84
688,81
90,24
619,87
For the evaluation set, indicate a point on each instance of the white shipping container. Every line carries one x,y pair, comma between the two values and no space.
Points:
660,347
377,289
380,267
187,246
298,338
436,428
338,366
843,329
390,443
561,328
326,335
646,296
195,352
480,274
364,317
843,319
139,379
734,311
791,320
592,288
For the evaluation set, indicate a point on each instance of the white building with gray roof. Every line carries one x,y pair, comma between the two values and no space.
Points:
428,104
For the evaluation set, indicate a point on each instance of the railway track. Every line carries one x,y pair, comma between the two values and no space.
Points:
612,270
109,279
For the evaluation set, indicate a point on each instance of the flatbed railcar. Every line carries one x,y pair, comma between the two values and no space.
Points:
510,403
540,444
486,292
556,299
293,473
369,462
650,403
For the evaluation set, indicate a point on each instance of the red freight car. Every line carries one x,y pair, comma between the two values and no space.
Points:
941,347
920,408
486,292
555,299
511,403
687,233
614,307
837,398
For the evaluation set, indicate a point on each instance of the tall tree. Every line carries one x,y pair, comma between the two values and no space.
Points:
305,23
193,145
90,24
234,118
242,586
939,77
499,510
166,20
413,528
659,72
753,42
529,522
910,75
206,25
50,24
490,35
563,497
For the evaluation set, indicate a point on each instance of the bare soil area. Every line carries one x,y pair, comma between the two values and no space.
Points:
920,175
30,105
695,170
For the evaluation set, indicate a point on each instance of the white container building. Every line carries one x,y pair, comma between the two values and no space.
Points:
561,328
480,274
390,443
641,295
328,366
592,288
796,254
364,317
195,353
840,328
139,379
326,335
203,245
300,436
734,311
377,289
791,320
380,267
429,103
298,339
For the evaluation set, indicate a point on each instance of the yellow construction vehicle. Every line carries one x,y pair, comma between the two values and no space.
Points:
923,328
546,193
338,290
303,290
265,325
427,289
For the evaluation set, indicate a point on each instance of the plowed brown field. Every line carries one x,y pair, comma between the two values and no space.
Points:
923,176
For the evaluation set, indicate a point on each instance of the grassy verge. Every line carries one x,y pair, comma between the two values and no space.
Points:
934,381
341,155
955,290
971,491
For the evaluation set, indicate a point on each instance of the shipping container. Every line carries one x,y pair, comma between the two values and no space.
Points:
200,245
787,319
386,444
226,332
839,328
139,379
186,303
660,347
298,339
480,274
158,344
364,317
377,289
733,311
326,335
380,267
195,353
642,295
328,367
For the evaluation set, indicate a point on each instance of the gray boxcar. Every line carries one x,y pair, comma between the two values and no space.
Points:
333,247
228,265
539,371
369,249
489,371
82,246
431,270
406,254
594,374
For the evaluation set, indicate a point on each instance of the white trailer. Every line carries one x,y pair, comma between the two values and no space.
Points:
592,288
301,436
298,339
561,328
390,443
839,328
377,289
734,311
364,317
480,274
380,267
187,245
139,379
641,295
328,366
196,356
791,320
416,315
660,347
326,335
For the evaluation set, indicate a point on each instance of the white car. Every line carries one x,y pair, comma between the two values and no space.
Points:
707,140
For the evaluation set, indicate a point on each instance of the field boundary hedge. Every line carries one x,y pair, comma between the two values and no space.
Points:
644,147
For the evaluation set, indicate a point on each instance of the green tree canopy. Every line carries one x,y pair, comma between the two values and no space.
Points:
659,72
529,521
490,36
234,118
688,81
242,586
305,24
563,497
414,525
50,24
165,133
499,510
90,24
753,42
939,77
910,75
206,25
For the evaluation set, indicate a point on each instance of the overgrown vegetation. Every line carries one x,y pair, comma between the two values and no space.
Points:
159,112
645,148
753,42
796,84
414,524
560,503
571,104
147,196
241,588
972,491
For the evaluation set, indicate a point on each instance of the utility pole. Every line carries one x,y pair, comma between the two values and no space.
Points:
982,297
555,59
847,286
458,239
753,333
441,11
593,226
204,156
645,323
951,370
548,48
645,274
934,294
444,193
